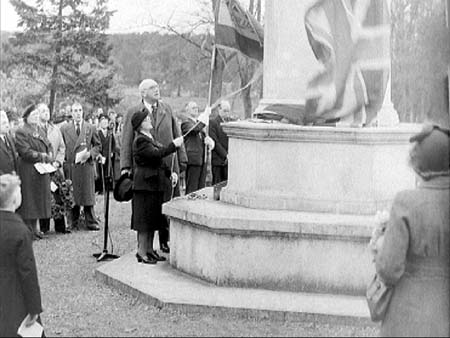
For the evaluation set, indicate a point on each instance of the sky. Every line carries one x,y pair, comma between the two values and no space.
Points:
131,15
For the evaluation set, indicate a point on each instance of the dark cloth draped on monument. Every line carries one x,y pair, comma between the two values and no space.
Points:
237,29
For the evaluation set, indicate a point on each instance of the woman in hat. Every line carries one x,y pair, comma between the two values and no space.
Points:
415,254
150,179
20,294
33,147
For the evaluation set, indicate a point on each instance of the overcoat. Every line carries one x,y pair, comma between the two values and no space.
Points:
151,173
8,155
82,175
220,151
166,130
194,141
151,180
414,259
19,288
36,195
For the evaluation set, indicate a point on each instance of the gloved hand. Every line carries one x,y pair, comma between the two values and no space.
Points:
204,117
174,179
178,141
209,142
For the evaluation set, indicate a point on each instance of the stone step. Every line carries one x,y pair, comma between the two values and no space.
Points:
163,286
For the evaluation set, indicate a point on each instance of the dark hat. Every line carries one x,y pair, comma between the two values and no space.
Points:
123,191
28,111
103,116
137,118
429,156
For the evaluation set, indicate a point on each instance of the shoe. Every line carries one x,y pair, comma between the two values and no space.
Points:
141,259
93,227
164,248
65,231
155,256
39,235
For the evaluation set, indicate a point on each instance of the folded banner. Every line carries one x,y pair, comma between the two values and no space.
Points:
346,48
237,29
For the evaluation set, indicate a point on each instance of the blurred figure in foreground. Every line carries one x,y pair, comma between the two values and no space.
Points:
20,294
414,254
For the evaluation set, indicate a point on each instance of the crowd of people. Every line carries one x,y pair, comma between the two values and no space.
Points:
51,168
152,148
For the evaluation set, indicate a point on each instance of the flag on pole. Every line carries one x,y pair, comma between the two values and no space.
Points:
344,48
237,29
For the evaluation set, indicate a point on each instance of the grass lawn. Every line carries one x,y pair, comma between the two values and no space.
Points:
75,304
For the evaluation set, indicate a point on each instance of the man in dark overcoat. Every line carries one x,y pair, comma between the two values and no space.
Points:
8,153
219,155
165,131
196,143
81,138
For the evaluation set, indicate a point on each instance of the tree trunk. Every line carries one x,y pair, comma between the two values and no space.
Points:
54,78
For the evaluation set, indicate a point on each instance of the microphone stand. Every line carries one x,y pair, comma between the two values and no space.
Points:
107,183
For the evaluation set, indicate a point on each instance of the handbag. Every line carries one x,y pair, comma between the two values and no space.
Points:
378,297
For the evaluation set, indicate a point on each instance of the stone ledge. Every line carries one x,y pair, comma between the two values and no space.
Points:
224,217
263,131
163,286
279,200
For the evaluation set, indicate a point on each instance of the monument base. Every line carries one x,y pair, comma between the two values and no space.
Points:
165,287
235,246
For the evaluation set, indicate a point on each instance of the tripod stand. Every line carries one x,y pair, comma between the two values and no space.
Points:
107,186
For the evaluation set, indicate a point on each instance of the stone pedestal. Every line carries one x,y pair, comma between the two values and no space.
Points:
298,210
316,169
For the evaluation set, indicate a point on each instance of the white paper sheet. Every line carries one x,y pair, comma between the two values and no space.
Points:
44,168
79,156
53,186
34,330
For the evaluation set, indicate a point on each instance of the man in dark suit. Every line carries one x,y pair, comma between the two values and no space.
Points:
196,143
8,153
165,131
81,138
219,156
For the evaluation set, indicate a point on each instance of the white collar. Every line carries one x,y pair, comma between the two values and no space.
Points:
146,134
149,106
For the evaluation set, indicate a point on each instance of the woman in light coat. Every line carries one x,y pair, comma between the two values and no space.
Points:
415,255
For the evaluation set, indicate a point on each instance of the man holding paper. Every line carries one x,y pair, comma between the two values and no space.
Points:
82,147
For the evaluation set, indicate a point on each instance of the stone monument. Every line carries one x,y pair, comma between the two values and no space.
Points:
298,209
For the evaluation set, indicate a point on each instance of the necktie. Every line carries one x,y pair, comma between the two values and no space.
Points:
3,138
154,108
78,128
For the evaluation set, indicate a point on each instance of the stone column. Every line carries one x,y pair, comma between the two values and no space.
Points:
387,115
288,58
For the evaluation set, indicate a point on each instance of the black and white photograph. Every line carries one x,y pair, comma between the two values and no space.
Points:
225,168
